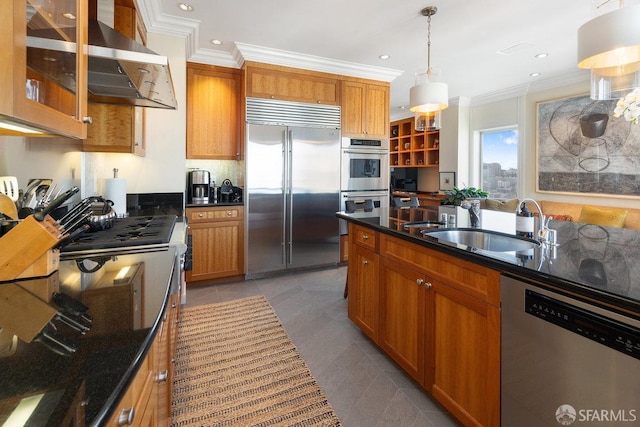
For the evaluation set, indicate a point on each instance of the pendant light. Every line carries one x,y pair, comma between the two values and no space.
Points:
609,45
428,97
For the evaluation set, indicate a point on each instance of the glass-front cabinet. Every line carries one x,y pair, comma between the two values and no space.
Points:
43,77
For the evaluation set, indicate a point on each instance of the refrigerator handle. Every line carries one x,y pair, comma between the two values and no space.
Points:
290,195
285,189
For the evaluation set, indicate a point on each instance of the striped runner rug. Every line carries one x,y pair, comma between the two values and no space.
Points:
236,366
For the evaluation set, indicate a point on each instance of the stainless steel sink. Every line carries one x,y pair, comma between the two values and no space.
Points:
485,240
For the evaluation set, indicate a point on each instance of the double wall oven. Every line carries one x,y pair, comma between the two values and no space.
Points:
364,175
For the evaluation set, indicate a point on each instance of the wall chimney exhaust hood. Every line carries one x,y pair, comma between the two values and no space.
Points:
121,71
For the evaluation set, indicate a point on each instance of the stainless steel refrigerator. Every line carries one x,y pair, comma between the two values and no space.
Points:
292,186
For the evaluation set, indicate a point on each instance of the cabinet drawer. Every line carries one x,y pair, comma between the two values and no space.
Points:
228,213
473,279
364,237
134,402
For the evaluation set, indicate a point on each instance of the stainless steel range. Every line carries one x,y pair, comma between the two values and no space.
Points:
133,234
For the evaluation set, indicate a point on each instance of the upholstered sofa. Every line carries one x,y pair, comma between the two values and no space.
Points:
591,214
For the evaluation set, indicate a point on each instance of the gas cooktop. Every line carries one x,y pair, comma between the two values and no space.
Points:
135,233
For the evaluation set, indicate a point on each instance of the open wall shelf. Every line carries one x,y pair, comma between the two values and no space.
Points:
409,148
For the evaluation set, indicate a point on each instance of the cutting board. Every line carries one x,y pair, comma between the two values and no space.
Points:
8,207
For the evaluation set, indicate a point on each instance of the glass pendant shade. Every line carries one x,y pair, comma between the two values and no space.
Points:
609,45
614,82
425,122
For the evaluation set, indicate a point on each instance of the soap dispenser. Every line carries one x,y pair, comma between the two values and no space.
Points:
524,222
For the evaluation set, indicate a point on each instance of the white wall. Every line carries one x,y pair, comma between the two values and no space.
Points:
53,158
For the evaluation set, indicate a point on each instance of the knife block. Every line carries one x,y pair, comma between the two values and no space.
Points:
26,250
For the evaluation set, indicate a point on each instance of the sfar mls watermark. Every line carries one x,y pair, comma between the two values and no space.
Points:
567,415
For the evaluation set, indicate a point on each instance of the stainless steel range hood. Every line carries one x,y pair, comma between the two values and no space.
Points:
121,71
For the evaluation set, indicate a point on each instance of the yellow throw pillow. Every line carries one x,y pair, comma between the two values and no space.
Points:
608,217
502,205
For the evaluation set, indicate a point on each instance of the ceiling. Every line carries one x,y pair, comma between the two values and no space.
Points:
347,37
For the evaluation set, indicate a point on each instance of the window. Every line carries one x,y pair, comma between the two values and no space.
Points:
499,159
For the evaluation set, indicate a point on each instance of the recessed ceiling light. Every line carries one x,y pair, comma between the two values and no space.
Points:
534,74
185,7
402,107
384,56
216,42
542,55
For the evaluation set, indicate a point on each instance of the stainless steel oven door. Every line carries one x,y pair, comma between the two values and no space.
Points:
364,169
380,199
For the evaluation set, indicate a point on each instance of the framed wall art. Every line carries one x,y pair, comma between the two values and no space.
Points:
447,180
582,148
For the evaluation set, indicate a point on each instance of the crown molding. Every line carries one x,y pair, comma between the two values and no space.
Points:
578,76
157,22
314,63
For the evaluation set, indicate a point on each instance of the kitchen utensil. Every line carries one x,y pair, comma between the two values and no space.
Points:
103,215
8,207
9,187
56,203
29,197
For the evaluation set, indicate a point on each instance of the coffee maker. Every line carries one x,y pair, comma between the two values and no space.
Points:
199,189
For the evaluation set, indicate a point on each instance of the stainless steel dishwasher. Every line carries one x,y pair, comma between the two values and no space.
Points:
565,361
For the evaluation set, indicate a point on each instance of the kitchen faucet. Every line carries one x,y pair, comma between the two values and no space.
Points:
474,212
542,226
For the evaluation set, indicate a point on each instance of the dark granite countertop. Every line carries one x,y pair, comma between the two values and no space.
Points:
125,295
598,263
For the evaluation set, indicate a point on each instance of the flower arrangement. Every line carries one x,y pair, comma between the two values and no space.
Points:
628,107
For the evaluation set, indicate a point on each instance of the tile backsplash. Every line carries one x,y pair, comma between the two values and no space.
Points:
232,170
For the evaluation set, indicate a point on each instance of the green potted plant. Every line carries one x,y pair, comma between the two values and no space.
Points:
457,195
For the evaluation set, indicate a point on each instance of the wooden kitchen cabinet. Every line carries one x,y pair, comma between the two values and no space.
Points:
217,235
288,84
137,407
119,128
438,318
363,281
56,111
214,112
463,350
402,316
365,110
411,148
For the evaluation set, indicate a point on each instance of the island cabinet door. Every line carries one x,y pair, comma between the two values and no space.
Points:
463,355
402,316
364,295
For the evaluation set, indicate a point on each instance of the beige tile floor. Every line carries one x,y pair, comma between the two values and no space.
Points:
364,386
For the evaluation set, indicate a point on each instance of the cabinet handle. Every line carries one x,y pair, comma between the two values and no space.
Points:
200,215
419,282
173,305
162,376
229,213
365,262
428,285
365,237
87,119
126,416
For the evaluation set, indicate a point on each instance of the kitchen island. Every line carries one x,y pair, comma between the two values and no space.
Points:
616,248
435,307
128,298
